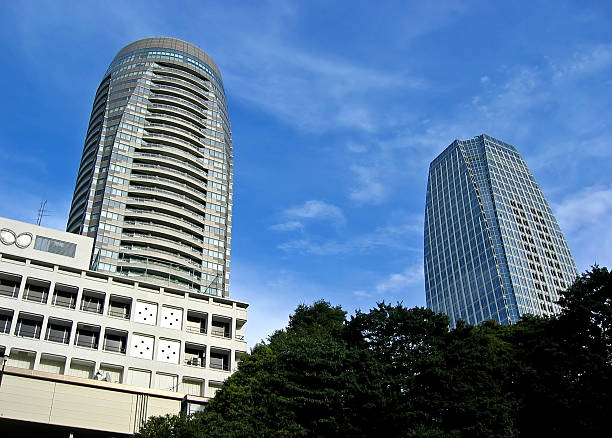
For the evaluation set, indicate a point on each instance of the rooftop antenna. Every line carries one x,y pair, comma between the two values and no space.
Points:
42,212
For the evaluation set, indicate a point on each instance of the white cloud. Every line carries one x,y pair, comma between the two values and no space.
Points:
484,79
391,236
315,209
584,217
592,205
287,226
311,91
587,61
400,281
369,189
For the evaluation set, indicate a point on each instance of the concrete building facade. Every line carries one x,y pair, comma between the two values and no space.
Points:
493,248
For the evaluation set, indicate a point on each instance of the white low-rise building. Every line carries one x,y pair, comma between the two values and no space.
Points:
71,334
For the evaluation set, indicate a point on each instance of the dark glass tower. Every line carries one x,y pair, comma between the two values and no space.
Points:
493,249
154,186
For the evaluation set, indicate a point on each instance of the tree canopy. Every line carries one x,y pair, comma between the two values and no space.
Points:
402,373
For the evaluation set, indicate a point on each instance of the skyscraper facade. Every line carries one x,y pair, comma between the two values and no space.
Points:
154,187
493,248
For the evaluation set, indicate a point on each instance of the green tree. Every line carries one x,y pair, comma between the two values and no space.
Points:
400,372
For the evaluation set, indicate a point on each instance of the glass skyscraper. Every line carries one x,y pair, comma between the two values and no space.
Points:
154,187
493,249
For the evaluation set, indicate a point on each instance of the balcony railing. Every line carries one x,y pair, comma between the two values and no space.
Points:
219,366
196,362
199,330
125,314
93,344
114,348
240,337
92,307
29,332
220,332
62,339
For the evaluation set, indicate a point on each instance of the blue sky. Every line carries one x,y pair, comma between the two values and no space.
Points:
337,108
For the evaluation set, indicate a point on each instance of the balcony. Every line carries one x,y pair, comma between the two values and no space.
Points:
221,326
195,355
6,319
197,322
115,341
219,359
36,291
119,307
58,330
64,296
87,336
29,326
240,329
9,285
92,301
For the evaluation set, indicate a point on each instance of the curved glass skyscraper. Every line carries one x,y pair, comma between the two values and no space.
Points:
493,249
154,186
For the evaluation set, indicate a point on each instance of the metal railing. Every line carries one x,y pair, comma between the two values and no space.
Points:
125,314
114,348
157,201
92,307
200,330
219,366
220,332
93,344
64,339
196,362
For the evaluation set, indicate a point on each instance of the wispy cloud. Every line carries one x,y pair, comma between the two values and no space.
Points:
313,210
312,92
584,217
402,280
391,236
317,210
369,189
287,226
395,284
587,61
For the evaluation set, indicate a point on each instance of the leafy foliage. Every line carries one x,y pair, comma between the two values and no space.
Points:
400,372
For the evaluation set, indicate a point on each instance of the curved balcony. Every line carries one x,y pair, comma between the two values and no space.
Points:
179,155
167,206
164,170
185,189
200,76
153,253
174,130
157,216
161,242
188,77
184,94
163,118
160,108
202,92
193,145
157,228
182,103
160,272
157,194
209,129
156,158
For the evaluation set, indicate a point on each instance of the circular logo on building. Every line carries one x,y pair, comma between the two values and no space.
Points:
23,240
8,237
